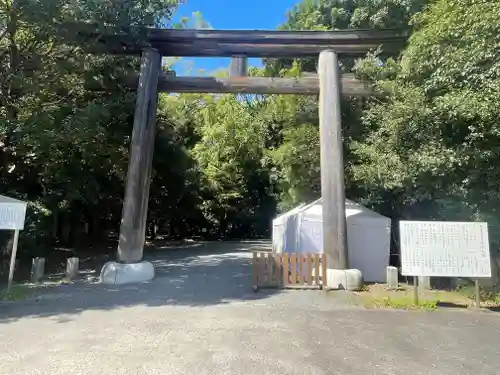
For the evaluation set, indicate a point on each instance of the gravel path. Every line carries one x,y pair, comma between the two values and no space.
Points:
200,317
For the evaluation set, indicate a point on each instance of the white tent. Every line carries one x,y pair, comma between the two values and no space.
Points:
368,236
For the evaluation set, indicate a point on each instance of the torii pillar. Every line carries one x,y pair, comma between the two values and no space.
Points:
332,177
130,268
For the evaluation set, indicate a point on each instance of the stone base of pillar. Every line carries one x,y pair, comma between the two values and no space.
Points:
120,273
344,279
392,277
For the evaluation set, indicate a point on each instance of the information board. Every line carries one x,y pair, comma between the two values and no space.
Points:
446,249
12,213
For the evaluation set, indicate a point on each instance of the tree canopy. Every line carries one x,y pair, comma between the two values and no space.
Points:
434,139
224,165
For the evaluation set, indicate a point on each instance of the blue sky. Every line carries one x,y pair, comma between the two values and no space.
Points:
230,14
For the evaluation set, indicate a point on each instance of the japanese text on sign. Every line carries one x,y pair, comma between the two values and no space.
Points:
12,215
437,248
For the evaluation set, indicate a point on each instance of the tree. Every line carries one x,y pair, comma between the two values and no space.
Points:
175,198
433,145
344,14
64,147
237,200
293,121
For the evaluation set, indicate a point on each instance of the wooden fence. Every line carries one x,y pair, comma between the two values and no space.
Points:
271,270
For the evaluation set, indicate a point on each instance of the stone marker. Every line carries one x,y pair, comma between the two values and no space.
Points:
344,279
37,269
424,282
72,268
123,273
392,277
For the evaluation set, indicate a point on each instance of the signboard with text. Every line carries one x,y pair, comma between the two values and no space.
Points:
445,249
12,213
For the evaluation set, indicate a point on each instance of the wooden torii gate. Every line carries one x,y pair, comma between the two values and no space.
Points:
239,45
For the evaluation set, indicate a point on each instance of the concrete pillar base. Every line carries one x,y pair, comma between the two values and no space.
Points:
344,279
114,273
392,277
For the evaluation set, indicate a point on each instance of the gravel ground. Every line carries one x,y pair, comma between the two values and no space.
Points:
199,316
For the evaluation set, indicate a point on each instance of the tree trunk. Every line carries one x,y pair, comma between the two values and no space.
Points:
13,64
66,230
55,223
154,230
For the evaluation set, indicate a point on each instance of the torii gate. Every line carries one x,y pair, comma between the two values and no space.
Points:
239,45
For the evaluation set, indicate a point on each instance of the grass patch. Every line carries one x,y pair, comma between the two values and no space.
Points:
488,296
16,293
379,296
399,302
365,288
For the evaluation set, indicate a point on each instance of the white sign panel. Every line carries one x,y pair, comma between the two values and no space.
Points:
12,215
447,249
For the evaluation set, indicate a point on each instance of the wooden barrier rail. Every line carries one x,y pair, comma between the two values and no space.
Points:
304,270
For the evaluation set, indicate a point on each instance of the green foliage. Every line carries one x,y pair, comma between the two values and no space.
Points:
292,122
427,148
230,158
344,14
486,294
63,147
351,14
434,139
299,172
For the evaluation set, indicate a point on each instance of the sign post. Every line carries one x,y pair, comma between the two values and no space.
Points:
478,294
13,259
445,249
415,290
12,215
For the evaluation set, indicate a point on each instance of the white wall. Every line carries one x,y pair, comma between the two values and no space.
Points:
369,250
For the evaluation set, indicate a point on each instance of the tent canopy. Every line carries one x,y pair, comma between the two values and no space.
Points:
4,199
300,230
281,219
354,212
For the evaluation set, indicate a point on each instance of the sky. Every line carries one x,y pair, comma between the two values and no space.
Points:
230,14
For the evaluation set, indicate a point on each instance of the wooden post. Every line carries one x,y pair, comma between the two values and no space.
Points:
135,204
332,162
238,66
478,293
72,268
13,259
255,271
37,269
424,282
415,290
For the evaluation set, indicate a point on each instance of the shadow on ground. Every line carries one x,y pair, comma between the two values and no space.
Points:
452,305
197,274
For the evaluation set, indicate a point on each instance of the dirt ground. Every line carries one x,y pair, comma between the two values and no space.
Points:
200,316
